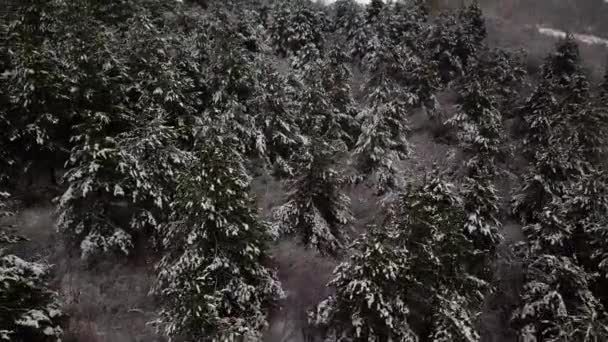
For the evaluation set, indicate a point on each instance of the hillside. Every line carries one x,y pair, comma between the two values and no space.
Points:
298,171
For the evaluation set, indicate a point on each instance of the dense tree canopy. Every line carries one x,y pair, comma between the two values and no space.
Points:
158,115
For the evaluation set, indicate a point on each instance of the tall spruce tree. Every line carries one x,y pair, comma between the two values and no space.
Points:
278,135
373,10
316,209
29,309
382,143
557,302
212,281
482,137
407,280
126,143
297,25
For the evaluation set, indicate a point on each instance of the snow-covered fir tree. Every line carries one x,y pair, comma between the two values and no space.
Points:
316,209
557,204
382,143
336,78
126,146
557,304
278,135
453,39
550,136
212,281
505,75
232,84
481,135
29,309
373,10
37,87
407,280
590,119
370,303
346,17
297,25
443,255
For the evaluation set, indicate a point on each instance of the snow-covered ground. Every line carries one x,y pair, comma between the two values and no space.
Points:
583,38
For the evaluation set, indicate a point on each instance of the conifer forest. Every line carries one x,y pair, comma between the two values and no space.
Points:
301,171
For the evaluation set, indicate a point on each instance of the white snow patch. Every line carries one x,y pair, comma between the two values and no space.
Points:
583,38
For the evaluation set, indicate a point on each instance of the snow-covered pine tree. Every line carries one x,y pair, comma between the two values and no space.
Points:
557,304
505,74
373,10
591,123
336,82
29,309
346,16
382,142
475,31
454,39
481,135
37,87
403,22
126,145
316,209
231,79
413,279
369,303
557,204
550,139
444,256
213,282
278,135
562,64
295,25
362,41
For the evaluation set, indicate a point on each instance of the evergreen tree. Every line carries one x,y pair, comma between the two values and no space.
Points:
36,86
127,141
296,25
591,123
346,17
562,64
411,280
550,141
482,137
336,79
29,309
373,10
557,303
278,136
382,142
212,283
454,40
369,303
316,209
557,204
504,75
231,73
403,23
